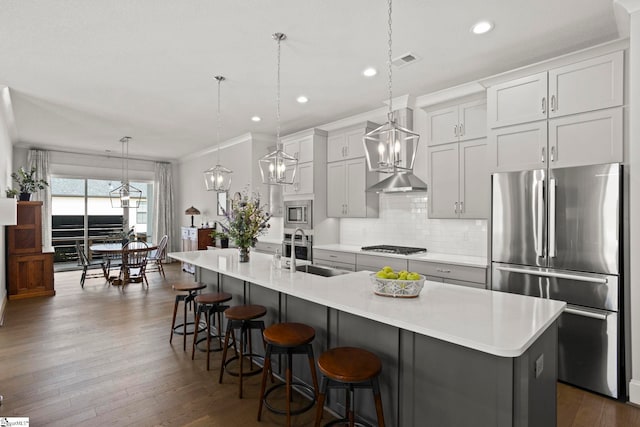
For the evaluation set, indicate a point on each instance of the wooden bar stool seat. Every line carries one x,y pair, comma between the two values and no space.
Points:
191,290
242,317
210,304
288,339
349,368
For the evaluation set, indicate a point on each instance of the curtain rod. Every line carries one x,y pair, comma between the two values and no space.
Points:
100,155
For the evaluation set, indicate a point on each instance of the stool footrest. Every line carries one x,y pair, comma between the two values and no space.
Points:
294,385
244,373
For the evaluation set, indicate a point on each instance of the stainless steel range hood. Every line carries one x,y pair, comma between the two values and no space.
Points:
400,181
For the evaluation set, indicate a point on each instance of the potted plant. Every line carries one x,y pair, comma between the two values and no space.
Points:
27,183
246,220
224,239
11,193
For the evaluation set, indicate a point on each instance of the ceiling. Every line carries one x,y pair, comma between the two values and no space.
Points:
84,73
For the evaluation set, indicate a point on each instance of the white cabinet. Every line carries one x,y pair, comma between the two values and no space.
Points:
335,259
347,143
450,273
580,139
459,180
457,123
310,148
584,86
348,176
189,243
347,182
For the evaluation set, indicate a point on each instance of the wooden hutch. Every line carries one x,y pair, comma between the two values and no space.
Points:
29,270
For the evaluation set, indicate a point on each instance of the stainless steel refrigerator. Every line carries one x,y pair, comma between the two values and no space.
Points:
556,233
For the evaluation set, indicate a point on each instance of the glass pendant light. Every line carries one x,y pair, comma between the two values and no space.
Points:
218,178
278,167
126,195
390,148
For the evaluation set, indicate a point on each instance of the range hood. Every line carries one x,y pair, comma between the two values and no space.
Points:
400,181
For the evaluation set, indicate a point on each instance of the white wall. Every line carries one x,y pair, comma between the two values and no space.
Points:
241,156
633,168
6,156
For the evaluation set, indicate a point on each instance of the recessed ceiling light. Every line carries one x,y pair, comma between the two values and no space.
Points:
369,72
302,99
255,119
481,27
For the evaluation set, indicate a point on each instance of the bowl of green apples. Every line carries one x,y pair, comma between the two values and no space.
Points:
401,284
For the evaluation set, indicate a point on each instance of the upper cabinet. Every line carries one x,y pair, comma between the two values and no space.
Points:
348,176
589,85
457,123
310,148
568,116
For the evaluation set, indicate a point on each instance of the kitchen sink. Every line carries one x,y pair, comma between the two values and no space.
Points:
319,270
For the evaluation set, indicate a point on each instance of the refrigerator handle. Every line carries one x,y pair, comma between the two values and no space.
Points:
539,223
552,217
574,310
553,274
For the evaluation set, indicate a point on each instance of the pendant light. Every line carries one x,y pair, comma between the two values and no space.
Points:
126,195
390,148
218,178
278,167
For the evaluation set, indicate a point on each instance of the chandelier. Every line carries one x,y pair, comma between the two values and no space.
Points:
278,167
218,178
126,195
390,148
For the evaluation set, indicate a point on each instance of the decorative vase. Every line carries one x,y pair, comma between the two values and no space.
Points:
244,254
25,197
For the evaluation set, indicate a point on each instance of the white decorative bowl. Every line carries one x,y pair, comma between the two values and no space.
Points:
397,288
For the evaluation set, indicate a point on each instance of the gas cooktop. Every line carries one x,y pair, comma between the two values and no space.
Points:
400,250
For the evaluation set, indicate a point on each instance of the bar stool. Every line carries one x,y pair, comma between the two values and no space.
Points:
289,339
210,304
349,368
242,317
192,291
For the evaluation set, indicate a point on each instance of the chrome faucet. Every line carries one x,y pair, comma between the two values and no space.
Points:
292,263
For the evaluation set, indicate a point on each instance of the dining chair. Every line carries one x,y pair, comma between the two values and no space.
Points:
134,263
157,256
86,264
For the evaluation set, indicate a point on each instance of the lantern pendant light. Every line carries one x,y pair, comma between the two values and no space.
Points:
126,195
390,148
218,178
278,167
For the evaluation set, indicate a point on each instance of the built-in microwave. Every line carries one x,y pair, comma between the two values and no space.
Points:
298,214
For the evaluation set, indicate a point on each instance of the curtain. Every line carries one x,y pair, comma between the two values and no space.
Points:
163,202
40,160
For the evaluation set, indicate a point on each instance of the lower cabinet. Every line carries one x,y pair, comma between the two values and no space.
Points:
475,277
30,275
335,259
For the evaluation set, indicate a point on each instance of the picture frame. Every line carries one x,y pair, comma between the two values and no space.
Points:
222,203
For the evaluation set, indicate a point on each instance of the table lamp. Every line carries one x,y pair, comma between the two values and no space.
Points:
8,212
192,211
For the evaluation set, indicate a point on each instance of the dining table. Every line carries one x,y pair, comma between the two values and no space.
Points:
115,251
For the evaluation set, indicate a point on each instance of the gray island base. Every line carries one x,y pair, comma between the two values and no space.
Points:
454,356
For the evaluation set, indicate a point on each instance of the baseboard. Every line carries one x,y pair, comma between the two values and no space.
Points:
634,391
2,307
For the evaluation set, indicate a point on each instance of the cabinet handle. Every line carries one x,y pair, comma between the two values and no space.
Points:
344,154
443,270
346,151
462,206
553,153
455,130
455,207
553,103
543,154
461,129
544,105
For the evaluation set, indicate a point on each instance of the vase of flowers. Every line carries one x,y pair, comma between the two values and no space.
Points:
244,222
27,183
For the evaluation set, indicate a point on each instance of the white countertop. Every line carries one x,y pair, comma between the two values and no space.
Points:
497,323
471,261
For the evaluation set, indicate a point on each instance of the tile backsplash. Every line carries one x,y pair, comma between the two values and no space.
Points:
404,221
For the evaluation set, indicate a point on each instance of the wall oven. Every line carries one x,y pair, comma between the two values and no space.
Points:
303,246
298,214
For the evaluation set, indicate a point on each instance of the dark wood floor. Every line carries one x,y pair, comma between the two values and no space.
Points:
101,356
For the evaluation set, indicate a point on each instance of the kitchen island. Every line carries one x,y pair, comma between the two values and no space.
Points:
453,356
